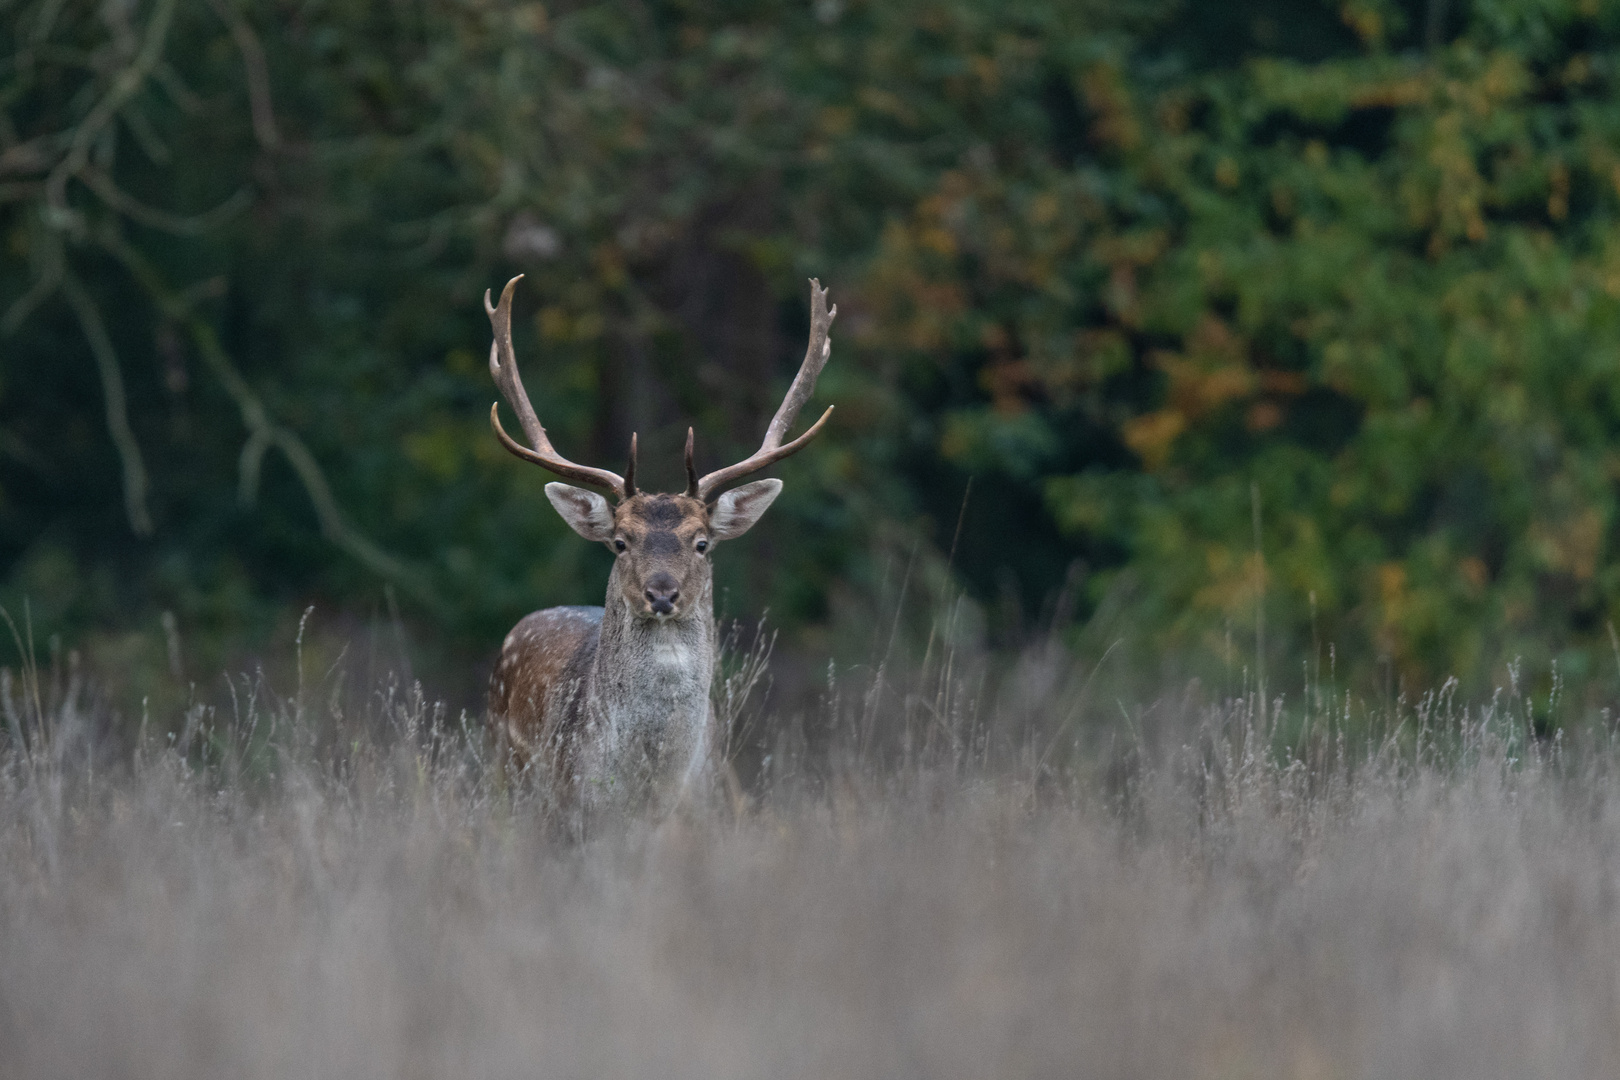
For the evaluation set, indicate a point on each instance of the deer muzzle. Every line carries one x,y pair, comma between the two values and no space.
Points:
662,592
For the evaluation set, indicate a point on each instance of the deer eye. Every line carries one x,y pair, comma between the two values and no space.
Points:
618,543
702,545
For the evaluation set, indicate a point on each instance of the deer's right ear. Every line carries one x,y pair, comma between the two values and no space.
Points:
586,512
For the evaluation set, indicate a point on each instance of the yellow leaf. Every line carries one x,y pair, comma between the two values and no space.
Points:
1152,436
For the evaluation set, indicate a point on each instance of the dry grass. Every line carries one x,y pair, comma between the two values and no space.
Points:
325,892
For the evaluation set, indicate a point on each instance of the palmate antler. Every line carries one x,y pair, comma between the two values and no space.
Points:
503,366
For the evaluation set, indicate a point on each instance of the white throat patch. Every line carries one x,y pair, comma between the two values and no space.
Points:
671,649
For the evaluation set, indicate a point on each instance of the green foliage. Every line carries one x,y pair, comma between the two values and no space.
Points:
1372,299
1159,277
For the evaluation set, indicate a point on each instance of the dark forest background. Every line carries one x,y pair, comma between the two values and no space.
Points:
1263,333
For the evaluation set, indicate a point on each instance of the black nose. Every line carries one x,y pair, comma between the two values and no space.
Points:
662,592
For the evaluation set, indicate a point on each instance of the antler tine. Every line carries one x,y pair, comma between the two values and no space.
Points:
630,470
503,366
804,384
691,468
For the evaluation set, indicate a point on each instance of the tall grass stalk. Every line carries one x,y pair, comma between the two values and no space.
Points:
967,869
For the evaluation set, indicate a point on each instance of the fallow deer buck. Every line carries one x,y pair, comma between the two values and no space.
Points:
613,701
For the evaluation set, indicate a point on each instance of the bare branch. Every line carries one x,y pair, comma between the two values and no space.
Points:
112,389
150,142
45,22
258,73
10,193
249,466
179,93
115,197
25,159
124,86
264,433
45,250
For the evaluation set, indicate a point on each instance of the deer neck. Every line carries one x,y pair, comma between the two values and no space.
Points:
649,688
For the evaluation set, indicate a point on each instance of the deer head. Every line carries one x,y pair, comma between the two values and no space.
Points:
662,543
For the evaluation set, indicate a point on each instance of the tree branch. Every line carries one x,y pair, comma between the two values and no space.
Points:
124,86
112,388
258,73
194,225
264,433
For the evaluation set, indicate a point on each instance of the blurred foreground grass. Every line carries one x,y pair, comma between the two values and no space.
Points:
933,876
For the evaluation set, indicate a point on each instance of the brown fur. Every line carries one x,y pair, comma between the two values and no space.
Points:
547,656
616,698
638,717
661,532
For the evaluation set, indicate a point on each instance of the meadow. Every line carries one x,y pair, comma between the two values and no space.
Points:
965,871
1220,322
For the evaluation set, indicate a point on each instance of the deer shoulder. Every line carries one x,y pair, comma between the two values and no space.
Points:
545,659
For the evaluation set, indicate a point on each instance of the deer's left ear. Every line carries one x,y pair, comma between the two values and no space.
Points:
735,512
